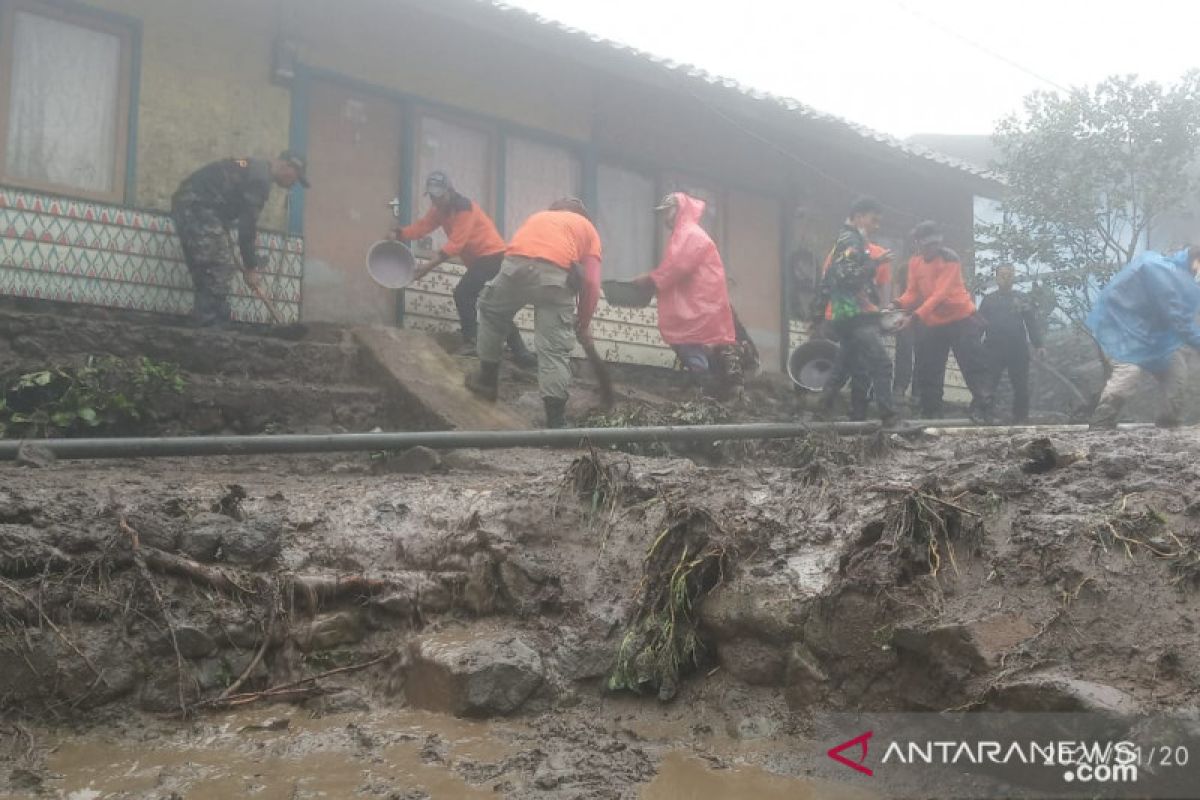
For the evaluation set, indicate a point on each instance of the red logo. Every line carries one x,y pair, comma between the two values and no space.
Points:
858,741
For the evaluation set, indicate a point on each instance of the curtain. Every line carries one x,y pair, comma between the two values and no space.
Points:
535,176
463,154
62,122
626,220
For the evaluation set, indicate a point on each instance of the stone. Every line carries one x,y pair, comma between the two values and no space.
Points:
963,650
471,675
1054,692
220,671
415,461
216,537
580,658
193,642
38,456
347,701
751,728
332,630
753,661
753,608
804,677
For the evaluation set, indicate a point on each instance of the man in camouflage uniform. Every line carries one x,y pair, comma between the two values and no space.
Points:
207,205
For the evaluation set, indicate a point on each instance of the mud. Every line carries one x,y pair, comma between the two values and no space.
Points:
275,626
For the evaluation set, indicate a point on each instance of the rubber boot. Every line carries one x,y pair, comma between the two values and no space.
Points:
485,381
556,412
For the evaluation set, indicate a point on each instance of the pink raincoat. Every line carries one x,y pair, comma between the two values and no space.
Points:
693,300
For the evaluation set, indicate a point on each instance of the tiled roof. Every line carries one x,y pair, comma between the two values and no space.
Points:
791,106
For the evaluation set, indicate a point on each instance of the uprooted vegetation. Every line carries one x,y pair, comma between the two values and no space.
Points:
100,395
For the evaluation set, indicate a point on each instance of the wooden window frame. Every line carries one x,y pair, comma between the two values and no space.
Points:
84,19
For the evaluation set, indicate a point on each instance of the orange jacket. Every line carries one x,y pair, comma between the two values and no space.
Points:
936,292
564,238
471,232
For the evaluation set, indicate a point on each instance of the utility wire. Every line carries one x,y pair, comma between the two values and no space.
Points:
981,47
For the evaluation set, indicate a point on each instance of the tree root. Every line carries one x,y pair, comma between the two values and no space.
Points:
303,687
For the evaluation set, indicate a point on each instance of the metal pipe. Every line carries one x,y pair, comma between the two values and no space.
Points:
1046,430
143,447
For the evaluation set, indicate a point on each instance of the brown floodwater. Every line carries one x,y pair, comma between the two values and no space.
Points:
282,756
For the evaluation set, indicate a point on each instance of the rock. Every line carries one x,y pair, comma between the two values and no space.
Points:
1045,454
750,728
193,642
154,532
220,671
757,608
960,651
256,543
414,461
1054,692
347,701
472,676
804,678
580,658
215,537
332,630
753,661
398,604
38,456
24,552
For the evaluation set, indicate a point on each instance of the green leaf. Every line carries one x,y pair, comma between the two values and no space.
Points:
88,415
62,419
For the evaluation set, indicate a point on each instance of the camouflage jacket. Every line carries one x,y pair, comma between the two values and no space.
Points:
235,190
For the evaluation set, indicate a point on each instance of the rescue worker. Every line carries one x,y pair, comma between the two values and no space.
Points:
553,264
1012,329
207,204
472,237
694,314
855,276
1143,320
942,307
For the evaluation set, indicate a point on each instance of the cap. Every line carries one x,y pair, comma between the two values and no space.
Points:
297,161
669,201
438,184
928,231
572,204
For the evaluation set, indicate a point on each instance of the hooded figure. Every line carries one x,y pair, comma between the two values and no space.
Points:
693,299
1142,321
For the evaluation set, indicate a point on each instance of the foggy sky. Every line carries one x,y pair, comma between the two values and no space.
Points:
888,64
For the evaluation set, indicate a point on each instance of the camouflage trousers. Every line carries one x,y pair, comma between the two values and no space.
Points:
209,257
722,364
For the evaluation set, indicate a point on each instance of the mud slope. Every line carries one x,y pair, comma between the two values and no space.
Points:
986,572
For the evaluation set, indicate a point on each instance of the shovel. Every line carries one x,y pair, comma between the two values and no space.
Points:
600,367
295,330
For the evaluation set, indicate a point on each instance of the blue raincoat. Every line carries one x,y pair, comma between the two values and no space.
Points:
1148,311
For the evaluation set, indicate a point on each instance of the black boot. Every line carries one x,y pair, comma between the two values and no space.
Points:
556,412
485,381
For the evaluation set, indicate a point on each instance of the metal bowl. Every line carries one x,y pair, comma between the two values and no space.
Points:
890,321
391,264
811,364
626,294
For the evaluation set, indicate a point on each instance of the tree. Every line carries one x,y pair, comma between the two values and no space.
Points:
1088,174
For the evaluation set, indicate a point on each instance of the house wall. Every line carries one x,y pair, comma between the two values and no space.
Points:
206,91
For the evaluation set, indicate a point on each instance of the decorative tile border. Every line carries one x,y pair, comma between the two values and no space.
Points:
956,387
623,335
57,248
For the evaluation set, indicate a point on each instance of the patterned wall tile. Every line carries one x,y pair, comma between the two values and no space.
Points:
79,251
623,335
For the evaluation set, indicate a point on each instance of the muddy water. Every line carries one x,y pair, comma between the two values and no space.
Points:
377,754
682,777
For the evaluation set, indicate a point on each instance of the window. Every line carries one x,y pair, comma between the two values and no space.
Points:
535,176
464,154
64,103
626,221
